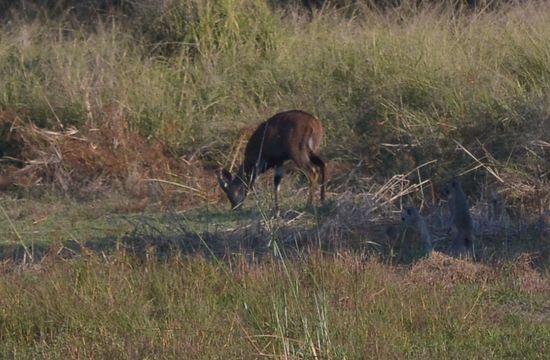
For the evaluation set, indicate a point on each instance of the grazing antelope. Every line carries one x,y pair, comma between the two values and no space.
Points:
291,135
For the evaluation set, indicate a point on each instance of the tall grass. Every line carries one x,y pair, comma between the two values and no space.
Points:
316,307
190,73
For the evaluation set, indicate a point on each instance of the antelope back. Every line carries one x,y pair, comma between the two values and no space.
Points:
288,135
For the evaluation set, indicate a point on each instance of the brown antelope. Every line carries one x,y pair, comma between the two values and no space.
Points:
291,135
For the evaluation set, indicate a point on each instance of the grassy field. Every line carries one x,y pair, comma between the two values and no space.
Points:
95,282
313,306
115,241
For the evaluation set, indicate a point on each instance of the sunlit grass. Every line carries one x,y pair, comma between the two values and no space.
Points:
415,78
325,306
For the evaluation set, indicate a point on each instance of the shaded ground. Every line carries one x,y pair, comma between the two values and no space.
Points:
353,223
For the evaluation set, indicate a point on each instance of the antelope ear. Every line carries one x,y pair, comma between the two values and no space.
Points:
224,178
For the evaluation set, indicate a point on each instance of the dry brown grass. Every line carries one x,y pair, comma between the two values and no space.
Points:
527,278
445,271
88,161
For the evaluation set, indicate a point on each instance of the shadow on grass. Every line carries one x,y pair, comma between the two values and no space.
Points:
219,234
207,232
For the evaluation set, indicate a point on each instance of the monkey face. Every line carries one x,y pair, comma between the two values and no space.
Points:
451,187
406,213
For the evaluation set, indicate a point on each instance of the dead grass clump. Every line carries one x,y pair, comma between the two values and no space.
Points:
526,277
446,271
86,162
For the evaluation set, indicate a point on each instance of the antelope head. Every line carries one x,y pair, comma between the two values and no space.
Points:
233,187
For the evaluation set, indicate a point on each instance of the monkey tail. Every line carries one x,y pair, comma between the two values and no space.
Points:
469,239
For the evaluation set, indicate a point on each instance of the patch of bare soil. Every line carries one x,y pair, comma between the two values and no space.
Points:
86,162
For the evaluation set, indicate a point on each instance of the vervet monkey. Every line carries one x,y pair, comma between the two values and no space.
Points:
410,217
495,206
460,216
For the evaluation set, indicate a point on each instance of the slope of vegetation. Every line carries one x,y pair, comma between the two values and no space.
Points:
114,242
191,73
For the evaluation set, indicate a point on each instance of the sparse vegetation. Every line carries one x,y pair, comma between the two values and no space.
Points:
115,242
